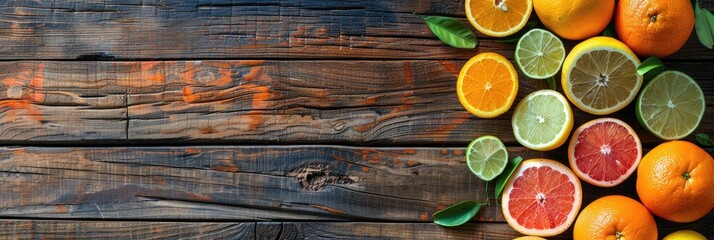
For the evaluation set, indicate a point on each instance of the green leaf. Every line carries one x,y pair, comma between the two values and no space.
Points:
704,26
551,83
451,31
517,36
649,64
457,214
610,31
710,20
501,181
704,139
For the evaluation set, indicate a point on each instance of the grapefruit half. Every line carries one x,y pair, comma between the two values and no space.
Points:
541,198
604,152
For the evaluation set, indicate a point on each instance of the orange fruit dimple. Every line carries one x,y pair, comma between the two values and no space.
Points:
615,217
575,19
498,18
654,27
675,181
487,85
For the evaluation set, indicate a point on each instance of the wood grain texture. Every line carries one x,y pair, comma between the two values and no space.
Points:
255,101
177,29
42,229
249,183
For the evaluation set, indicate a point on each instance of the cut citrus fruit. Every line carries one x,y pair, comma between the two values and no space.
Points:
486,156
498,18
487,85
539,54
541,198
671,105
542,120
600,75
604,152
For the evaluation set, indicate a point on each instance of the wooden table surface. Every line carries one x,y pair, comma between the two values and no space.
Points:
265,119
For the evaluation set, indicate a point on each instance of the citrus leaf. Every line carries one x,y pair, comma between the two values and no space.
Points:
457,214
710,20
551,83
451,31
501,181
517,36
704,27
704,139
649,64
610,31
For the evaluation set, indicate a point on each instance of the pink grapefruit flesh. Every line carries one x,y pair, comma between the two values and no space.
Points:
541,198
604,152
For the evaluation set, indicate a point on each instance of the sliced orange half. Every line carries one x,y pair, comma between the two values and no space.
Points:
498,18
487,85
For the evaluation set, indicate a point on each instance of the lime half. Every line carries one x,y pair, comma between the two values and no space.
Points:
542,120
671,105
486,157
539,54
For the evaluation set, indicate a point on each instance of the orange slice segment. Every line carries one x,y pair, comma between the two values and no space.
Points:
487,85
498,18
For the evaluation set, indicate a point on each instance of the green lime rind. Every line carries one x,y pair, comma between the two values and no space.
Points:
671,105
539,54
486,157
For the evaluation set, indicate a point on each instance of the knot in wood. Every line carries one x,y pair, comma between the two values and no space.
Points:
314,177
15,92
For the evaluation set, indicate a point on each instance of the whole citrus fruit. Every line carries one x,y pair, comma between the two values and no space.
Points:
575,19
654,27
675,181
684,235
615,217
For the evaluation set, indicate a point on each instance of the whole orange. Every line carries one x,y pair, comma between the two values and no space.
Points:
575,19
615,217
675,181
654,27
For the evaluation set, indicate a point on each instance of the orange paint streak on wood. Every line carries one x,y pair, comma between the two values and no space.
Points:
449,67
424,217
460,119
365,169
458,152
254,72
62,209
412,163
208,130
224,74
397,161
226,168
20,151
444,152
408,73
328,209
373,160
409,151
189,73
36,84
191,151
152,71
251,62
188,95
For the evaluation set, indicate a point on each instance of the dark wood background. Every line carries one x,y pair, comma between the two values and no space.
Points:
262,119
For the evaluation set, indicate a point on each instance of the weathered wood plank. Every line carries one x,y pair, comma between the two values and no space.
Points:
176,29
53,229
248,183
47,229
51,101
355,102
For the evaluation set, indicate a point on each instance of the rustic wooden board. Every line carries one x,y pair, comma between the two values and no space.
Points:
255,101
40,229
177,29
248,183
